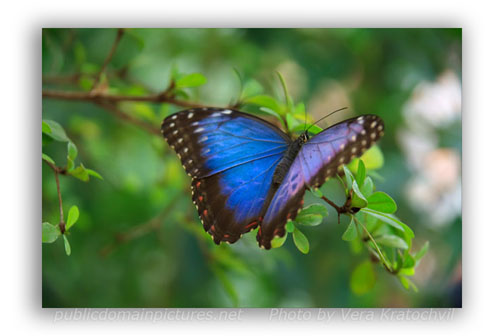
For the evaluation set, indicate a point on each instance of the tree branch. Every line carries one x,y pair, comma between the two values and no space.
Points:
111,98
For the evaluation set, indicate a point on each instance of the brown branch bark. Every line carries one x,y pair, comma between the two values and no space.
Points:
105,97
57,171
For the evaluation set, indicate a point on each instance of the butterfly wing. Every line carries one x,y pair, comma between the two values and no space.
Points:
317,160
231,157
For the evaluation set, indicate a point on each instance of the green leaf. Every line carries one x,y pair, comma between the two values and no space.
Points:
57,132
361,174
407,283
314,129
192,80
292,122
68,250
272,113
367,187
72,154
348,177
363,278
300,241
264,101
47,158
404,281
278,241
73,216
407,271
289,226
350,232
408,261
91,172
392,241
46,128
386,218
316,192
50,232
380,201
309,219
80,172
358,200
252,88
372,158
315,208
419,255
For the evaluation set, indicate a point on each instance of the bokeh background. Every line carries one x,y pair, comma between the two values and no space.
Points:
139,242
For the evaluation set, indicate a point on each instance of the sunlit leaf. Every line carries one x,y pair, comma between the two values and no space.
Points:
372,158
278,241
80,172
94,173
73,216
192,80
47,158
68,249
300,241
289,226
380,201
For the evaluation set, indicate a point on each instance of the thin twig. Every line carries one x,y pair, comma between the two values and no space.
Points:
120,33
57,171
382,257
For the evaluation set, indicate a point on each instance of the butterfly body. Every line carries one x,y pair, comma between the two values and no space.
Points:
248,173
289,157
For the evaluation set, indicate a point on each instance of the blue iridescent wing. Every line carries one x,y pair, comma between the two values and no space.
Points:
231,157
318,159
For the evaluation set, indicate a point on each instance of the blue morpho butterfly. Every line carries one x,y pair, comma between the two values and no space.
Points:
246,172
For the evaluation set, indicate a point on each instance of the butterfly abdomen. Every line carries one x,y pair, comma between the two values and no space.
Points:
283,167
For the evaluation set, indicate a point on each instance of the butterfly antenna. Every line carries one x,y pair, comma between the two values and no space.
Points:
330,114
305,116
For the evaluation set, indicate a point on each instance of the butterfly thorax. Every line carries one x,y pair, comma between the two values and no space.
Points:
283,167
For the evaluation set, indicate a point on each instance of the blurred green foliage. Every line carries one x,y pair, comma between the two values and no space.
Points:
138,241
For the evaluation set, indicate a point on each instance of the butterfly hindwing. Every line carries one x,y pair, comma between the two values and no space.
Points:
231,157
317,160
